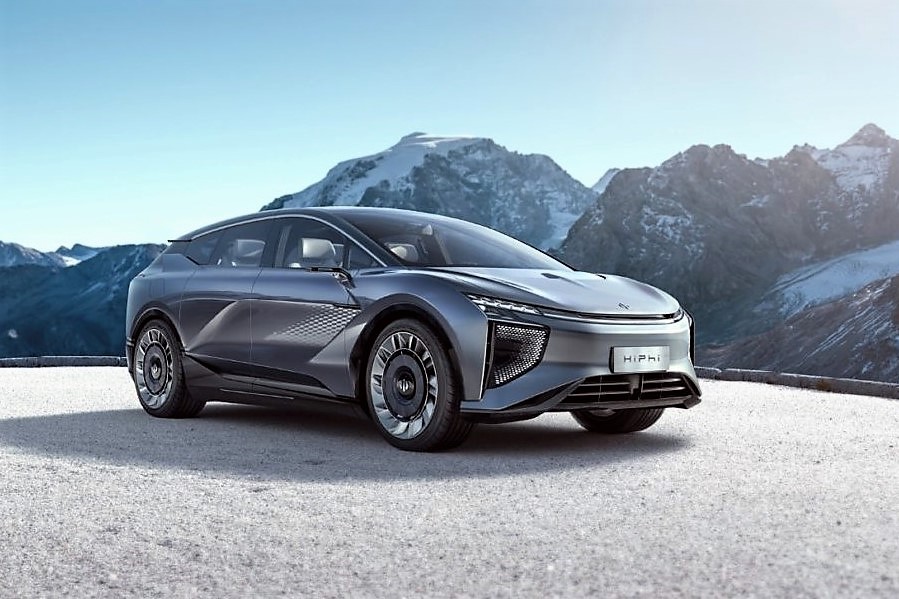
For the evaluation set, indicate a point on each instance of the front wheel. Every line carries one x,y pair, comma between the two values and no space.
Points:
411,389
625,421
158,375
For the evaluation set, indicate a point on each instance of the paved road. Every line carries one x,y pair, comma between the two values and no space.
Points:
759,491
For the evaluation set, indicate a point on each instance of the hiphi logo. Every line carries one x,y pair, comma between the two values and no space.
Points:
640,358
623,306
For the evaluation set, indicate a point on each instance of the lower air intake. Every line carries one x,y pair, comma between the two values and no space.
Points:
514,349
623,387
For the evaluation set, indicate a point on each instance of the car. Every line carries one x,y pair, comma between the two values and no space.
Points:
430,324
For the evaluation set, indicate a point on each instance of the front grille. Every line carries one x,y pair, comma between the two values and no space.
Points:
624,387
513,350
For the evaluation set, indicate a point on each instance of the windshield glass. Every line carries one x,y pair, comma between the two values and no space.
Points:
430,240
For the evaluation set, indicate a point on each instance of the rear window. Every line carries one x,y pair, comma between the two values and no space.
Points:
200,249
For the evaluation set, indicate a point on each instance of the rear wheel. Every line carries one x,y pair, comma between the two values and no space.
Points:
158,375
411,389
625,421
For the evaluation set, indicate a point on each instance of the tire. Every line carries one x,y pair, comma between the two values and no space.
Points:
158,373
625,421
411,389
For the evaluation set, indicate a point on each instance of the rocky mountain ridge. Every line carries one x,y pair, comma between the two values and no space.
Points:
717,229
525,195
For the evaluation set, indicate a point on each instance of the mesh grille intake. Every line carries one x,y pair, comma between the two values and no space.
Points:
515,350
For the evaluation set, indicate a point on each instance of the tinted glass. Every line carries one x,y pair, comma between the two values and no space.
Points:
430,240
200,249
242,245
305,243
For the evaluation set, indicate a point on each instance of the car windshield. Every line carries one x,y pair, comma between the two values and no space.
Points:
435,241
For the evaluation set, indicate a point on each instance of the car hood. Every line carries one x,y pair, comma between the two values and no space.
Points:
572,291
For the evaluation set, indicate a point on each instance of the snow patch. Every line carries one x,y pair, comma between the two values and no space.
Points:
353,177
600,186
756,201
675,228
854,166
830,280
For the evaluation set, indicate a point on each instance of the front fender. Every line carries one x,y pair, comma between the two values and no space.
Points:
462,323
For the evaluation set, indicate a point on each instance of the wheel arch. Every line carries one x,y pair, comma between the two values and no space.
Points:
150,313
368,336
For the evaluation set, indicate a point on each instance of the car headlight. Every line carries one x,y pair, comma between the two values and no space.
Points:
486,303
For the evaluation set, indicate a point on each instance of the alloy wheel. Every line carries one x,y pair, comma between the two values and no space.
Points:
153,364
403,385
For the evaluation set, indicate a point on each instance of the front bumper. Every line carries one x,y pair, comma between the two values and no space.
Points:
575,373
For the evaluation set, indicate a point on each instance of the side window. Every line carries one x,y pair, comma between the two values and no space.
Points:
358,258
242,245
200,249
305,243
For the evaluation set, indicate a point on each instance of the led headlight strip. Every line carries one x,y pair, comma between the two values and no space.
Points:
485,303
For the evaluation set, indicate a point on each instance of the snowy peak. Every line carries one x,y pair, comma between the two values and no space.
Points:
861,163
77,253
527,196
345,184
438,143
870,135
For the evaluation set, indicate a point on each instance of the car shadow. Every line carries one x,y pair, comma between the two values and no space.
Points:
318,443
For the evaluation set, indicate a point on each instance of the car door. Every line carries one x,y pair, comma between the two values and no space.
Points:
298,312
215,306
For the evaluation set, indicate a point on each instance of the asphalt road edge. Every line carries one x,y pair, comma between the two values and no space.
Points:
785,379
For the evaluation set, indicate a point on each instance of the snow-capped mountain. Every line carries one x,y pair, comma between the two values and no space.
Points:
856,336
719,230
526,195
77,253
69,311
13,254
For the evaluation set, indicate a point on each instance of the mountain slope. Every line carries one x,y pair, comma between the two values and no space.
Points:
718,230
826,281
856,336
78,310
527,196
13,254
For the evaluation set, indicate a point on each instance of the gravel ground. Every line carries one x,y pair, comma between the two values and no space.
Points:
759,491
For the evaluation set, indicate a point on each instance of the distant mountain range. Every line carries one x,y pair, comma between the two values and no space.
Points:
48,309
761,250
13,254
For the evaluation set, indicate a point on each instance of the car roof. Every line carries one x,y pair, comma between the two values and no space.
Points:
324,212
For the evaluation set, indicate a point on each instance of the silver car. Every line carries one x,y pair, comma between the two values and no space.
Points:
431,324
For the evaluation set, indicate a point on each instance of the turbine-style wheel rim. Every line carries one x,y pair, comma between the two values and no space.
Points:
403,385
153,367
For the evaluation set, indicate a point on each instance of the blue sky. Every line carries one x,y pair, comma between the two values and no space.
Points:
125,121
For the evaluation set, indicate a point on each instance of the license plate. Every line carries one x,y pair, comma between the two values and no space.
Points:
640,359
